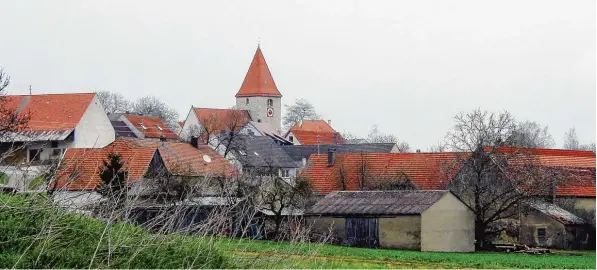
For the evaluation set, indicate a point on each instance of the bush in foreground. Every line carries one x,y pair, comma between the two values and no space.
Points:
33,234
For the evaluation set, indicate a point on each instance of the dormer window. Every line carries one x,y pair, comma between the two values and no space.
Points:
159,128
143,126
247,101
270,102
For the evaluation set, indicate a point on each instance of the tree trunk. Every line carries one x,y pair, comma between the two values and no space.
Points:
278,221
480,235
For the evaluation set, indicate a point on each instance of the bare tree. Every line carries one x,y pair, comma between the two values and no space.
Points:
114,102
10,118
530,134
492,182
571,142
438,147
300,110
376,136
223,130
150,105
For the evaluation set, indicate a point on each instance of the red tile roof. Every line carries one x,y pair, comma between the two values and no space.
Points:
425,170
575,170
557,157
259,80
80,167
307,133
51,111
184,159
152,126
179,158
222,119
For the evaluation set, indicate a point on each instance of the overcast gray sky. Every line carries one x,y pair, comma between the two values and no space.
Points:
408,66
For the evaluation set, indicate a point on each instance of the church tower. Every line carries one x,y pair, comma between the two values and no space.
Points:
259,95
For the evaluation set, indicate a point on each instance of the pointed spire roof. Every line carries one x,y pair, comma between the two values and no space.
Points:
258,81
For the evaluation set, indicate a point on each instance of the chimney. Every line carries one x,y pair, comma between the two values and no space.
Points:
418,150
330,123
162,138
331,156
195,141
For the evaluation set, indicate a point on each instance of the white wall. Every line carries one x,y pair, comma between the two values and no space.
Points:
295,141
257,107
189,122
94,130
76,199
448,225
132,127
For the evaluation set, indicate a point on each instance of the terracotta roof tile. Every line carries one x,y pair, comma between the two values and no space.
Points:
307,133
179,158
428,171
216,120
259,80
152,126
51,111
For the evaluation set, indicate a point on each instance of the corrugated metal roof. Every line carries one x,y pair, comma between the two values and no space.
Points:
396,202
35,135
557,213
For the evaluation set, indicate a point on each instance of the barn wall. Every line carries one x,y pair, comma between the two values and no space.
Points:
326,225
531,221
448,226
401,232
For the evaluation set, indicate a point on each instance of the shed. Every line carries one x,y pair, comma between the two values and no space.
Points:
426,220
548,225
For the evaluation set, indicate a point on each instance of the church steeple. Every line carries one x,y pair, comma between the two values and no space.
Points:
258,81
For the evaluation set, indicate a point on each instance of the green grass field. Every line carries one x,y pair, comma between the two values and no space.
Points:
265,254
35,235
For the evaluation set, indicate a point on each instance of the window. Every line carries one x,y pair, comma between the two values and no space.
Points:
284,173
270,102
291,138
54,144
247,101
541,236
34,155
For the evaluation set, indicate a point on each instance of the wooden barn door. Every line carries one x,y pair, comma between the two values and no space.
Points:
362,232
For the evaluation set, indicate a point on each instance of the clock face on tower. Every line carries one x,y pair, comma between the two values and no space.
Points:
270,112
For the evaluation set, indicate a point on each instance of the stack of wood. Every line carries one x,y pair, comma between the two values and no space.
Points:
521,249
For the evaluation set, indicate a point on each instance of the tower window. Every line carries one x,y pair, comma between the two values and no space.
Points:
270,102
247,101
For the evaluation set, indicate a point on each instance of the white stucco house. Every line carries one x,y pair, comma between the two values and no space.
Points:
56,122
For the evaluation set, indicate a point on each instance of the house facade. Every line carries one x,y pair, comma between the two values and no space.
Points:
313,132
56,122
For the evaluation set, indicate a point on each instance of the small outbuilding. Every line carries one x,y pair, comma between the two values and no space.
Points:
548,225
426,220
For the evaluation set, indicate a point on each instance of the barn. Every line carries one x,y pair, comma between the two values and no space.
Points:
426,220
